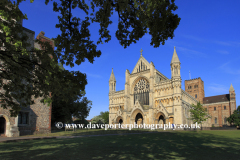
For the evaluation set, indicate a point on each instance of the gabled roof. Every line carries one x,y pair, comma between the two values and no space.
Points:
175,58
112,77
215,99
141,59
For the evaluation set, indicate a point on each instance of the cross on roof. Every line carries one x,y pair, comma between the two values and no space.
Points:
141,51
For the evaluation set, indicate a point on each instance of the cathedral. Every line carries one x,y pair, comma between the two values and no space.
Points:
150,97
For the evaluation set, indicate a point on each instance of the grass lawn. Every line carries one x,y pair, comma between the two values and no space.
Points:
160,145
79,132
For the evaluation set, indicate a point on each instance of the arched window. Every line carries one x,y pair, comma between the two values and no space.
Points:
175,70
215,120
224,107
141,92
195,95
225,120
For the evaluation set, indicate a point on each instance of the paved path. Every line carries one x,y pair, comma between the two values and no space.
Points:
17,139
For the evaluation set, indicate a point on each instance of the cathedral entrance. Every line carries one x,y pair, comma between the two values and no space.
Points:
139,119
161,120
120,121
2,126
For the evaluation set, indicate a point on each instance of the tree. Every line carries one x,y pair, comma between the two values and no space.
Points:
105,116
198,113
135,19
102,118
97,120
235,117
76,106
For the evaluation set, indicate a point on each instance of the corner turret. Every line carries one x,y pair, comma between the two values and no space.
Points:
175,65
112,83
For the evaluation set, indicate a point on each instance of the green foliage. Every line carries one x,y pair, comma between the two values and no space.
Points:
75,106
81,121
97,120
105,116
20,63
235,117
198,113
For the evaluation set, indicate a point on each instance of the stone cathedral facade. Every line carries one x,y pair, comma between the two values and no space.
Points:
149,96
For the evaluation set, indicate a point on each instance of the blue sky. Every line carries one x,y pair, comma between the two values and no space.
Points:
207,43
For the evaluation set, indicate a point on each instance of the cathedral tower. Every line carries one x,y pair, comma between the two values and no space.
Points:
195,87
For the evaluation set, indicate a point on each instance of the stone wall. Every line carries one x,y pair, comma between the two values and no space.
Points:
220,113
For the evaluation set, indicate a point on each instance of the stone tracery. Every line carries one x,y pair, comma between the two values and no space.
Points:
141,92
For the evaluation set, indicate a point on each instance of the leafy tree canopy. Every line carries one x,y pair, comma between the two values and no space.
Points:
235,117
97,120
105,116
198,113
135,19
77,106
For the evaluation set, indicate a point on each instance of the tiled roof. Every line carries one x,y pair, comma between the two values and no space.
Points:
215,99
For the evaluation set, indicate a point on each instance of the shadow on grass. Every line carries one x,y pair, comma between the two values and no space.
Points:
80,132
162,145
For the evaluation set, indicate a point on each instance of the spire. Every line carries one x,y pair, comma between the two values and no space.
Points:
231,88
112,77
175,56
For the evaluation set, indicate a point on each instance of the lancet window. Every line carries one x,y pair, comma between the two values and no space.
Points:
141,92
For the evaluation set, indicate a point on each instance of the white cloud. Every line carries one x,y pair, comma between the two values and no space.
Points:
93,75
194,38
218,88
224,43
191,52
223,52
228,69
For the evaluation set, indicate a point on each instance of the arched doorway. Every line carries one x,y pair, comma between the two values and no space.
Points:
120,121
2,126
139,119
161,120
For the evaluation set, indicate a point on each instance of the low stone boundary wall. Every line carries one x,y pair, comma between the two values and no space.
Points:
33,130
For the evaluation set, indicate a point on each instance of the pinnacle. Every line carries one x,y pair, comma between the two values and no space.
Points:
175,56
231,88
112,77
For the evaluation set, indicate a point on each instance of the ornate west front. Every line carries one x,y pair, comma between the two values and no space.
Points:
150,97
